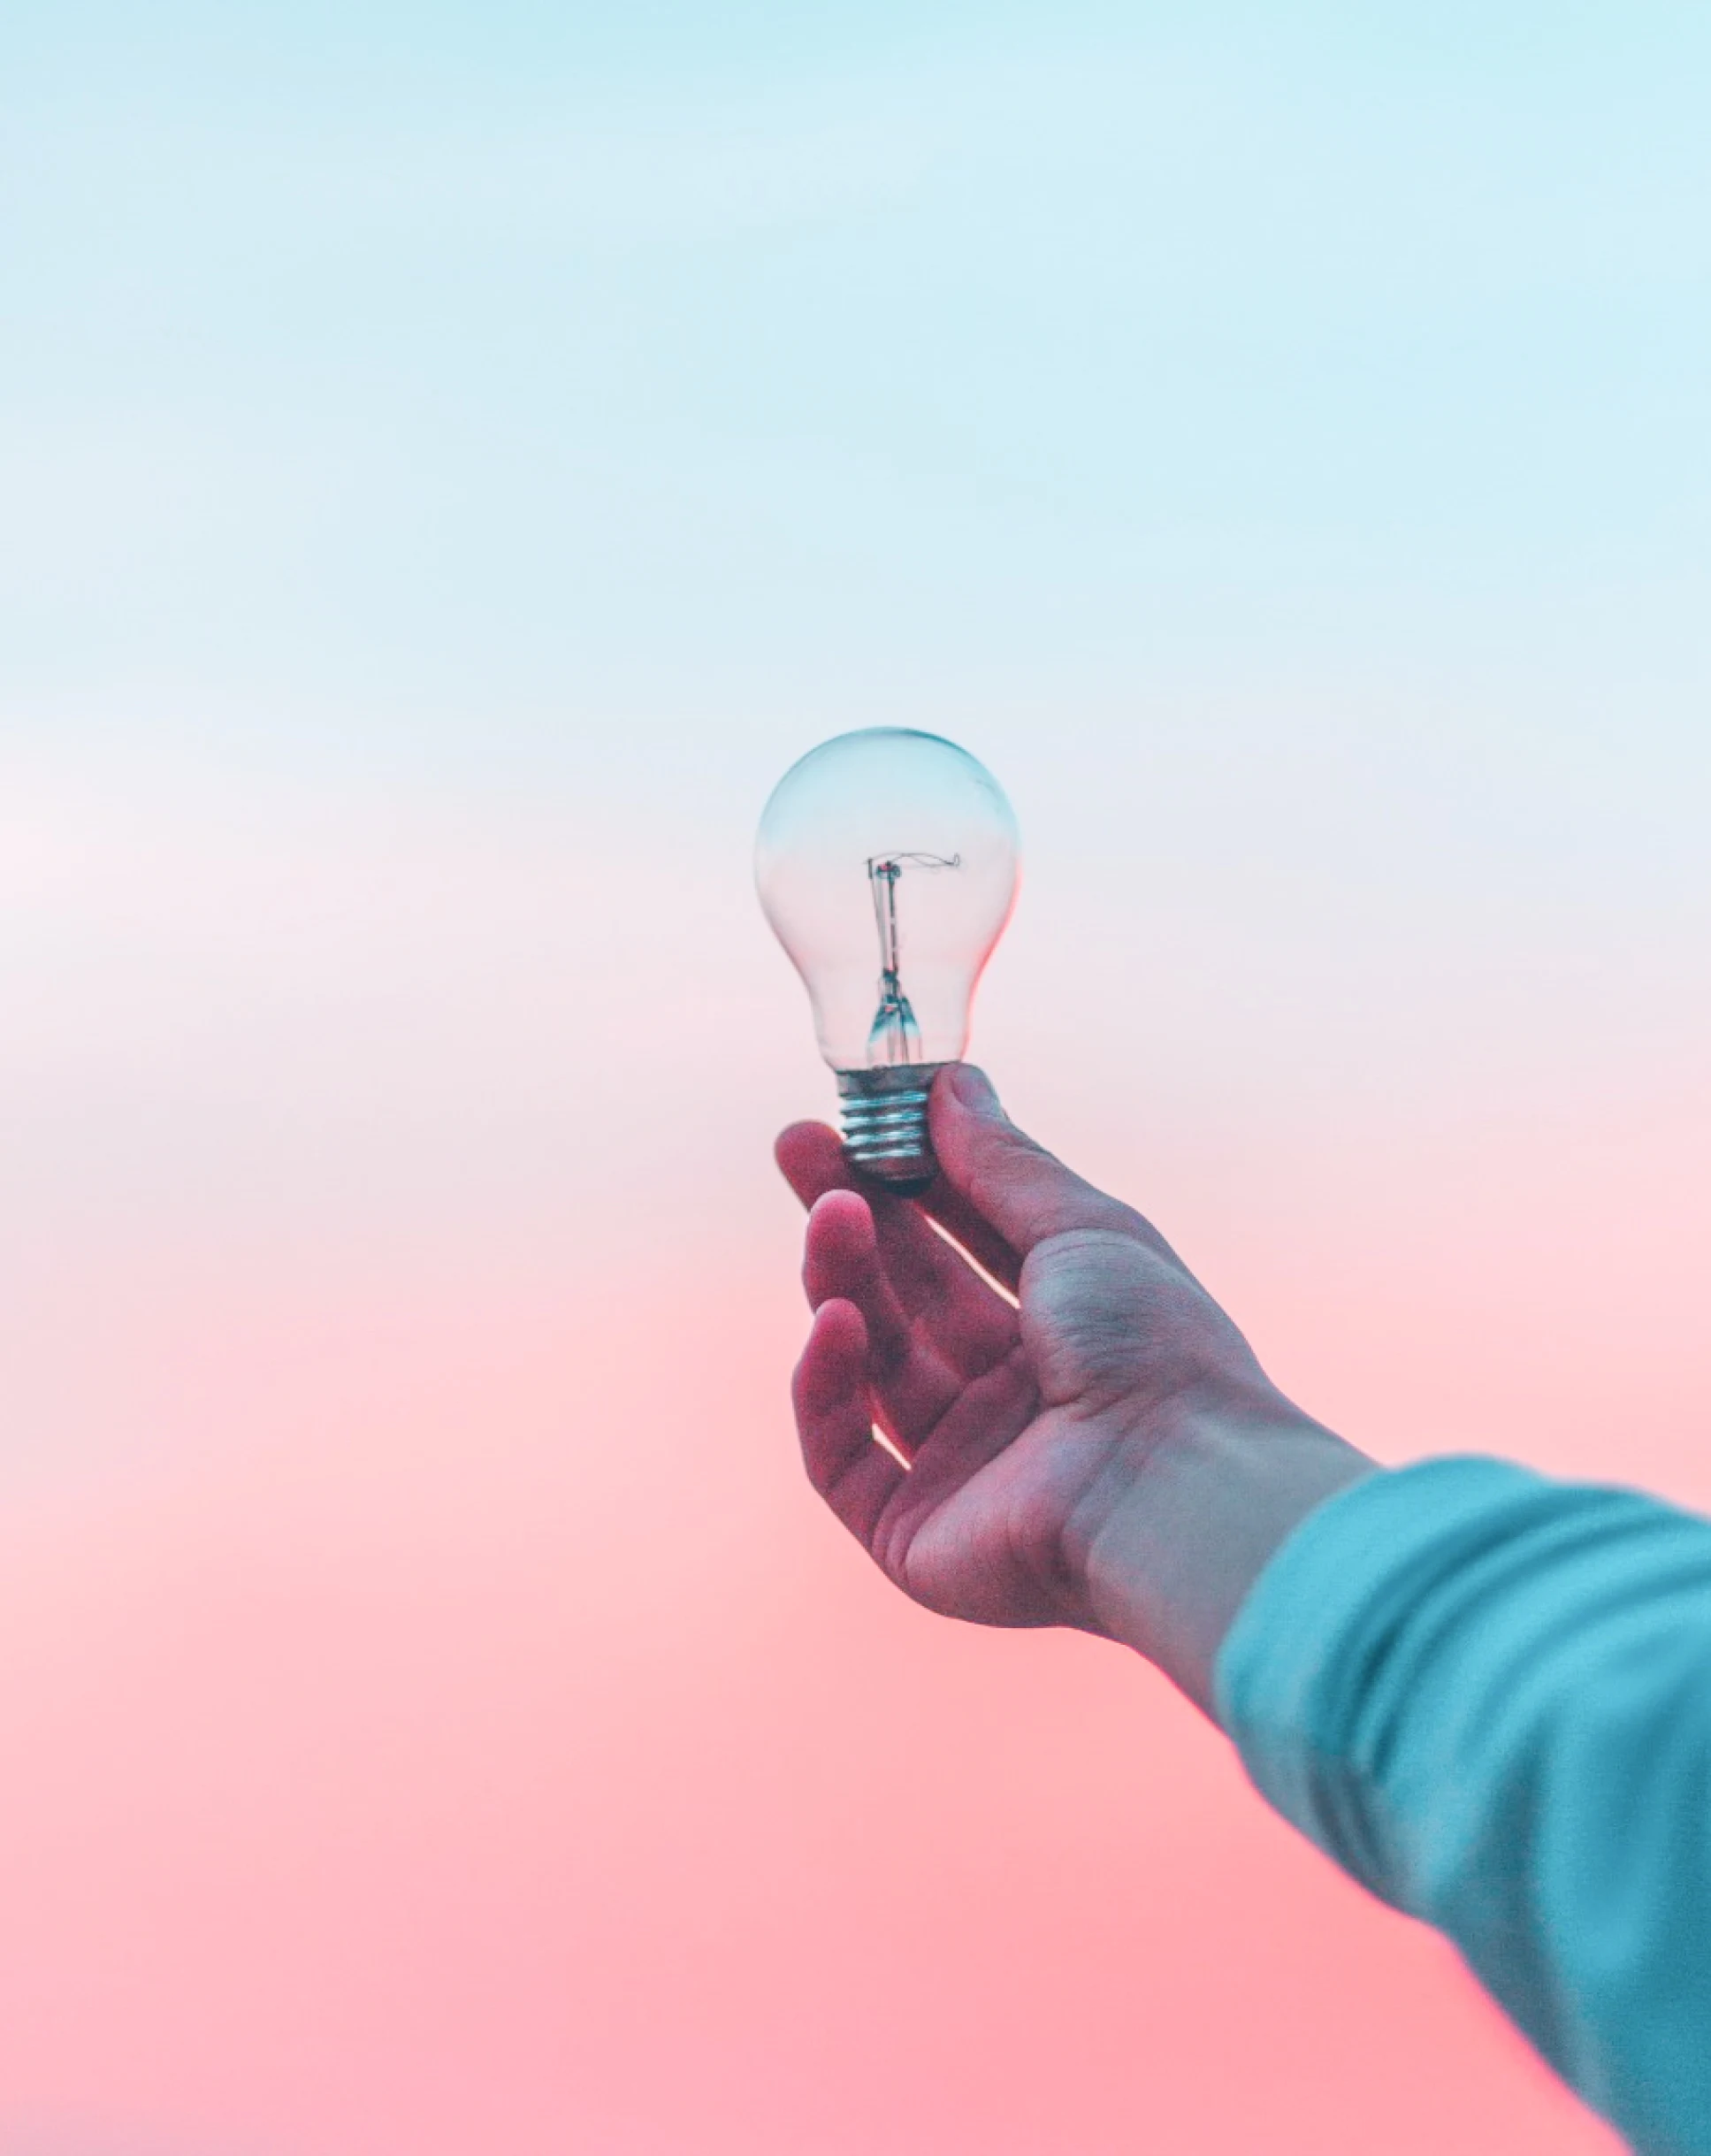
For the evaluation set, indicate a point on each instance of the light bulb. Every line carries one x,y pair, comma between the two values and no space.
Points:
886,862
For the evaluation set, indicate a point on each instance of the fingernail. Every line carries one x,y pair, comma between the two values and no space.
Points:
974,1089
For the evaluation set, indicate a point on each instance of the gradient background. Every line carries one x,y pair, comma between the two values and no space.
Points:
451,460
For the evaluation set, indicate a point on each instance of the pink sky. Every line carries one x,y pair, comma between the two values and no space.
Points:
439,1718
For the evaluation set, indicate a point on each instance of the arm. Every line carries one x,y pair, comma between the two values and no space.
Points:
1487,1696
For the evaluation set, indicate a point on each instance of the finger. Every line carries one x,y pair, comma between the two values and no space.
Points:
1017,1188
929,1277
810,1158
913,1381
988,1417
834,1419
840,1257
977,1236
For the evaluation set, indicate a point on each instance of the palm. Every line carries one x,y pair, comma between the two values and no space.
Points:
1009,1415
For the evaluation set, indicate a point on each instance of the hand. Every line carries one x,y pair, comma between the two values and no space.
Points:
1061,1446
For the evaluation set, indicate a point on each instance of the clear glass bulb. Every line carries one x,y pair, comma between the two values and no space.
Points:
886,862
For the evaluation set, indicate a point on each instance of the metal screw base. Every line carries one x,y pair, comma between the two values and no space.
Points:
885,1132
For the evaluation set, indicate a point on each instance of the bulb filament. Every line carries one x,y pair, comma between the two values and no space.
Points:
895,1037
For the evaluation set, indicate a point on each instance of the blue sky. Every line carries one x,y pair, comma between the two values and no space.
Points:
1274,440
487,362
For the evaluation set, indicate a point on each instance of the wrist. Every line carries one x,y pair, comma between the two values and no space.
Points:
1186,1522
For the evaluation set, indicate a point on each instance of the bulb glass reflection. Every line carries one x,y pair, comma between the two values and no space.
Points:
886,863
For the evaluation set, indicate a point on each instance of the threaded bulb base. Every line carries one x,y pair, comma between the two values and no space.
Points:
885,1132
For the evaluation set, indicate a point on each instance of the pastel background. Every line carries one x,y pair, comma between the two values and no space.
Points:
452,459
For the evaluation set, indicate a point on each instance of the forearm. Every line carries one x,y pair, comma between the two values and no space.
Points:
1488,1696
1187,1518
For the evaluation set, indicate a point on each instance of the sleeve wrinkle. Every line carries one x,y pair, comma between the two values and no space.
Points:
1487,1696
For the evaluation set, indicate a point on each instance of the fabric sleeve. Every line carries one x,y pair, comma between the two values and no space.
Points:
1488,1697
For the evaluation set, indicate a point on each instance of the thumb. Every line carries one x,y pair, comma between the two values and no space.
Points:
1014,1185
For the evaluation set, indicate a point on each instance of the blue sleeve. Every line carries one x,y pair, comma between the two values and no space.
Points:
1488,1696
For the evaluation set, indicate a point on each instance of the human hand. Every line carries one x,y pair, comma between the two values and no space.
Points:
1072,1454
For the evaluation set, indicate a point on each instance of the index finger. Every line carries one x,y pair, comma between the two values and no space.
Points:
925,1265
